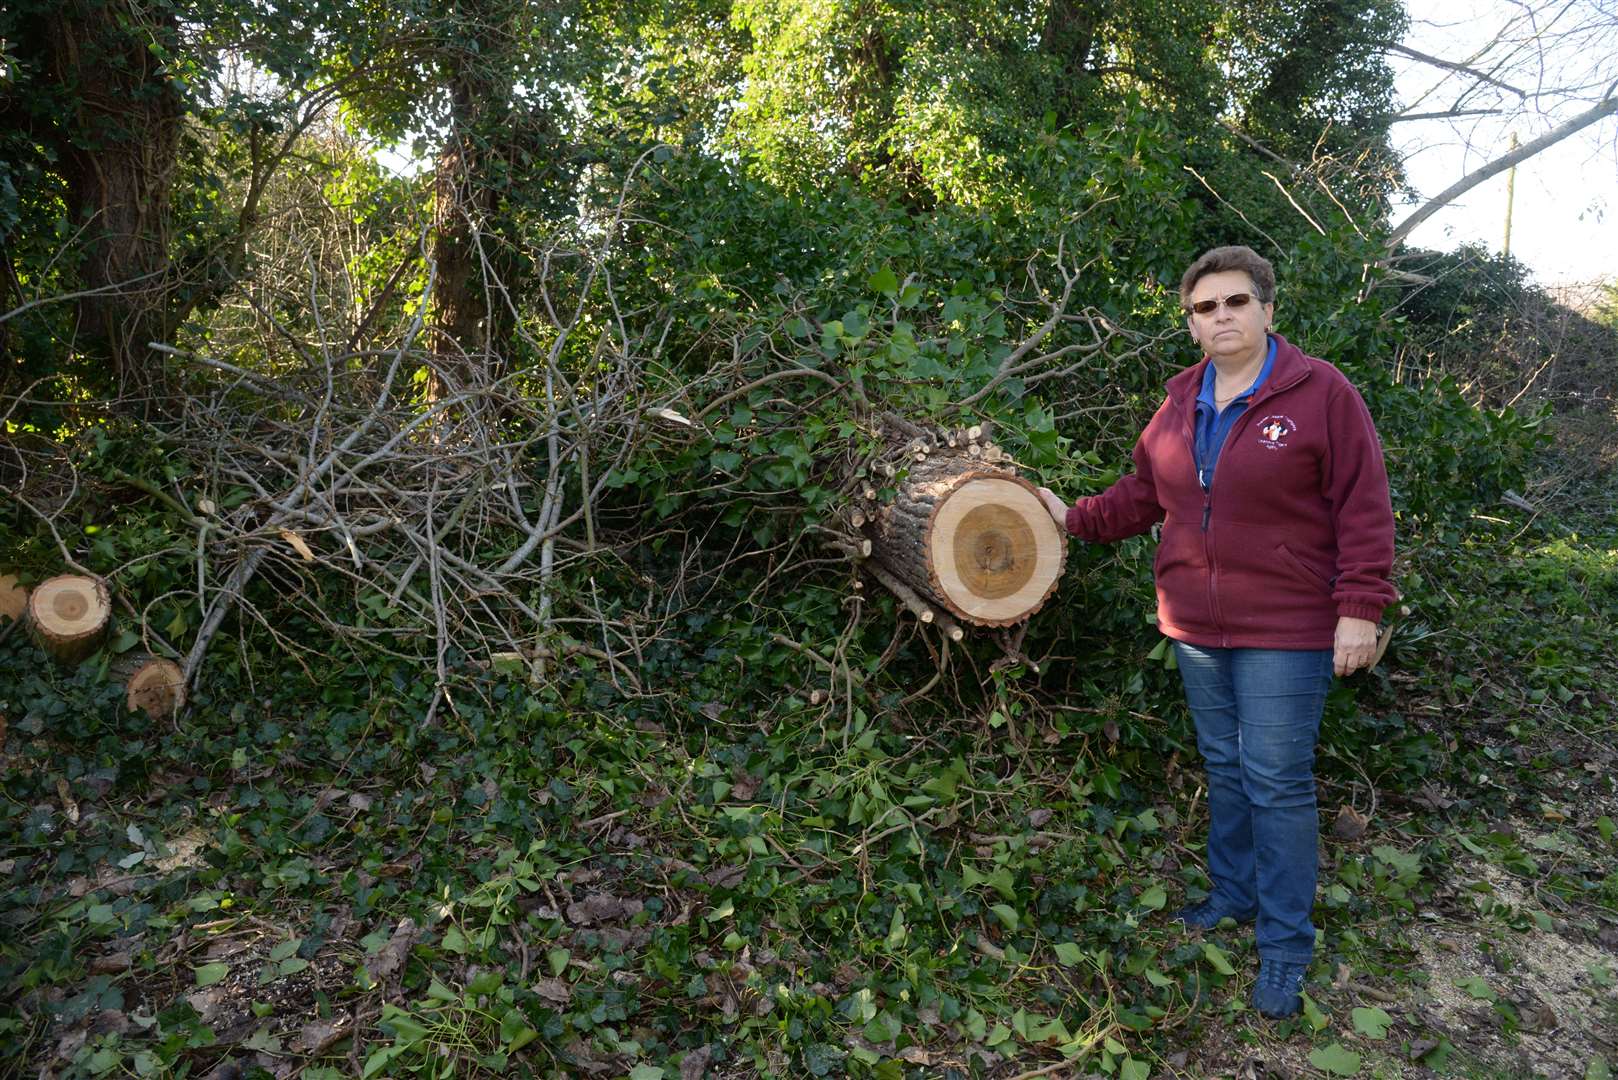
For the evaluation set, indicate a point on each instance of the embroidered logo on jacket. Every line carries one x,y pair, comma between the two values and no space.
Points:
1274,430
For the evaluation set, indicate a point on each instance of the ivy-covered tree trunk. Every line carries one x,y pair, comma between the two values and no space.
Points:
117,154
458,304
1068,37
470,305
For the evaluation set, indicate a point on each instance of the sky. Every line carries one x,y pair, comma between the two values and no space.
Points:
1565,210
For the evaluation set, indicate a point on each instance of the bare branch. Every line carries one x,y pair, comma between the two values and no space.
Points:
1448,65
1602,109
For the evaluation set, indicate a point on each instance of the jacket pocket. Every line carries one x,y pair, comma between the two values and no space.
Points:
1302,570
1181,569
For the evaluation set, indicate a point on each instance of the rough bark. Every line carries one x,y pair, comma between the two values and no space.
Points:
118,161
471,316
964,535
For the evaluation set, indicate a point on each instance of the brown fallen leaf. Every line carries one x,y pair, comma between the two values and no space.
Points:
694,1066
744,787
110,1021
726,877
391,958
206,1002
556,991
315,1036
109,964
1537,1016
602,907
1350,824
298,544
1420,1048
69,805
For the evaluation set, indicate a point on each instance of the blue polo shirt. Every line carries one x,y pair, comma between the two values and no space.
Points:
1213,426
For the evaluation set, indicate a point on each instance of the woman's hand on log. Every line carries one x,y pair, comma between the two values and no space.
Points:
1053,502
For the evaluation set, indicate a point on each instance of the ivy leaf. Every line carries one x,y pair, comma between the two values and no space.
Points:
1068,953
1372,1023
645,1072
1335,1060
896,931
1216,956
208,974
1154,897
1007,915
884,281
1313,1014
1479,989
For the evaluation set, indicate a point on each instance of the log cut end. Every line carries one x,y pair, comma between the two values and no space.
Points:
70,614
157,686
13,598
993,553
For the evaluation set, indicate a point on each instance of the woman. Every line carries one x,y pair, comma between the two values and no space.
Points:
1272,572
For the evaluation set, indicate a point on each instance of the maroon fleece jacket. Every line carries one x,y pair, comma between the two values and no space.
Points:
1295,531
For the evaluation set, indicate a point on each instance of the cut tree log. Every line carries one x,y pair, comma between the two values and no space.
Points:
13,598
151,683
70,615
971,539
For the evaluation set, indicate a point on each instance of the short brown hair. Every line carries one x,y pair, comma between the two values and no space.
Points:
1234,257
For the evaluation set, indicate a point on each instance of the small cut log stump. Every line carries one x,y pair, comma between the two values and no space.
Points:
13,599
151,683
969,538
70,615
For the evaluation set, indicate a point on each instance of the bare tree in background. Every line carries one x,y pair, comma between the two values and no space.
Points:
1543,70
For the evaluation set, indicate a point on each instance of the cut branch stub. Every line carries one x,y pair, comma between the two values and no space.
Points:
70,616
977,542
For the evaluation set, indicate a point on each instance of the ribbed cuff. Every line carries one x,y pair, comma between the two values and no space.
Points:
1351,609
1071,521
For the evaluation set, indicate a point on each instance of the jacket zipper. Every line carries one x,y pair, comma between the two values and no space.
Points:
1207,512
1207,538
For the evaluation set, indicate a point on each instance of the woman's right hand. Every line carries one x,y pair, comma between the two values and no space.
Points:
1053,503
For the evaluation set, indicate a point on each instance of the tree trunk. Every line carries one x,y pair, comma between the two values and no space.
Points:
471,314
1068,37
971,538
70,615
118,162
458,307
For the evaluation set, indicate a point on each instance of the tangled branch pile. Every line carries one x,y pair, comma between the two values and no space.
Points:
423,503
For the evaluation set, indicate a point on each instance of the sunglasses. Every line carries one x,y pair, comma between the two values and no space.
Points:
1233,302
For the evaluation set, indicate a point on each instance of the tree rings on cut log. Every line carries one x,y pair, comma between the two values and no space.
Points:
70,615
13,598
155,685
993,552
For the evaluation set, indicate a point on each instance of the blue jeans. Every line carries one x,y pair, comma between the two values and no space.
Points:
1257,713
